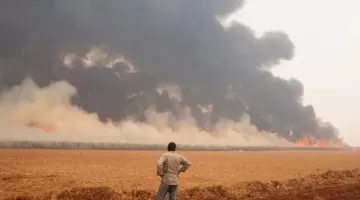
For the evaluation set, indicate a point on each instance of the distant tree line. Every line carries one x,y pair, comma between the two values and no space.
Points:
123,146
100,145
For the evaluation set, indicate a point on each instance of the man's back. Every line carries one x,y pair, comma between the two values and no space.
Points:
168,166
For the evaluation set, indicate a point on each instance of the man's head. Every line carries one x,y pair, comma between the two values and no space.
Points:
171,146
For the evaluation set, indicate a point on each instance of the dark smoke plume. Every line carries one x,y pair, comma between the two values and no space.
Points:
164,42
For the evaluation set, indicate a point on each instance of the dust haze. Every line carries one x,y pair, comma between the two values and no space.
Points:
57,119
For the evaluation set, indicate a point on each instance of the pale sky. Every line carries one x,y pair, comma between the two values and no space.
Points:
326,34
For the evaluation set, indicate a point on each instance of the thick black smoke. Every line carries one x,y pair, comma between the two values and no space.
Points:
169,42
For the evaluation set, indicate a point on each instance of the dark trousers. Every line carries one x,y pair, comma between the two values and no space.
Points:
164,189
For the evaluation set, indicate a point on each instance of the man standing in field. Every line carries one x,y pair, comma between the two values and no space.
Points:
168,168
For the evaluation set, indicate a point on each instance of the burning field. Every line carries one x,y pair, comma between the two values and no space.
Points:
115,175
29,112
99,74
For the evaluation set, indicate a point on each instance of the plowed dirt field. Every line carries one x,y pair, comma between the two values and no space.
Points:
115,175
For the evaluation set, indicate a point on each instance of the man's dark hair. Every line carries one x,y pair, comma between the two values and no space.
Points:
171,146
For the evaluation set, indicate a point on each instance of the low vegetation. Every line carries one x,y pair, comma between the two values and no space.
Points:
127,146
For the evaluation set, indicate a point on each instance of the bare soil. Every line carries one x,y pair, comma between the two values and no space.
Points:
115,175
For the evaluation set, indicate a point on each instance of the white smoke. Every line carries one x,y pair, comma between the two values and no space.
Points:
98,56
173,90
28,105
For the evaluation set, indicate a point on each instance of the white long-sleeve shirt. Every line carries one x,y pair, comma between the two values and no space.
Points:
168,167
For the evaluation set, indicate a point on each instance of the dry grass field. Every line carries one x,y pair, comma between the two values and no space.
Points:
76,174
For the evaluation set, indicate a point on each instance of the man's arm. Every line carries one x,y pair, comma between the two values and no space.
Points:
185,164
160,165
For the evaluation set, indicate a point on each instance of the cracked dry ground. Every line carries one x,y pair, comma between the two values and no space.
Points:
115,175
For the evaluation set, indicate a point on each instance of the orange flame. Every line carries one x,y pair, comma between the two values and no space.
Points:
306,142
45,127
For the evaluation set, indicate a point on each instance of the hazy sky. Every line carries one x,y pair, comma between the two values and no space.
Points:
326,34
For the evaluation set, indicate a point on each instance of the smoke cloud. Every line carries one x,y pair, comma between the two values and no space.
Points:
152,66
